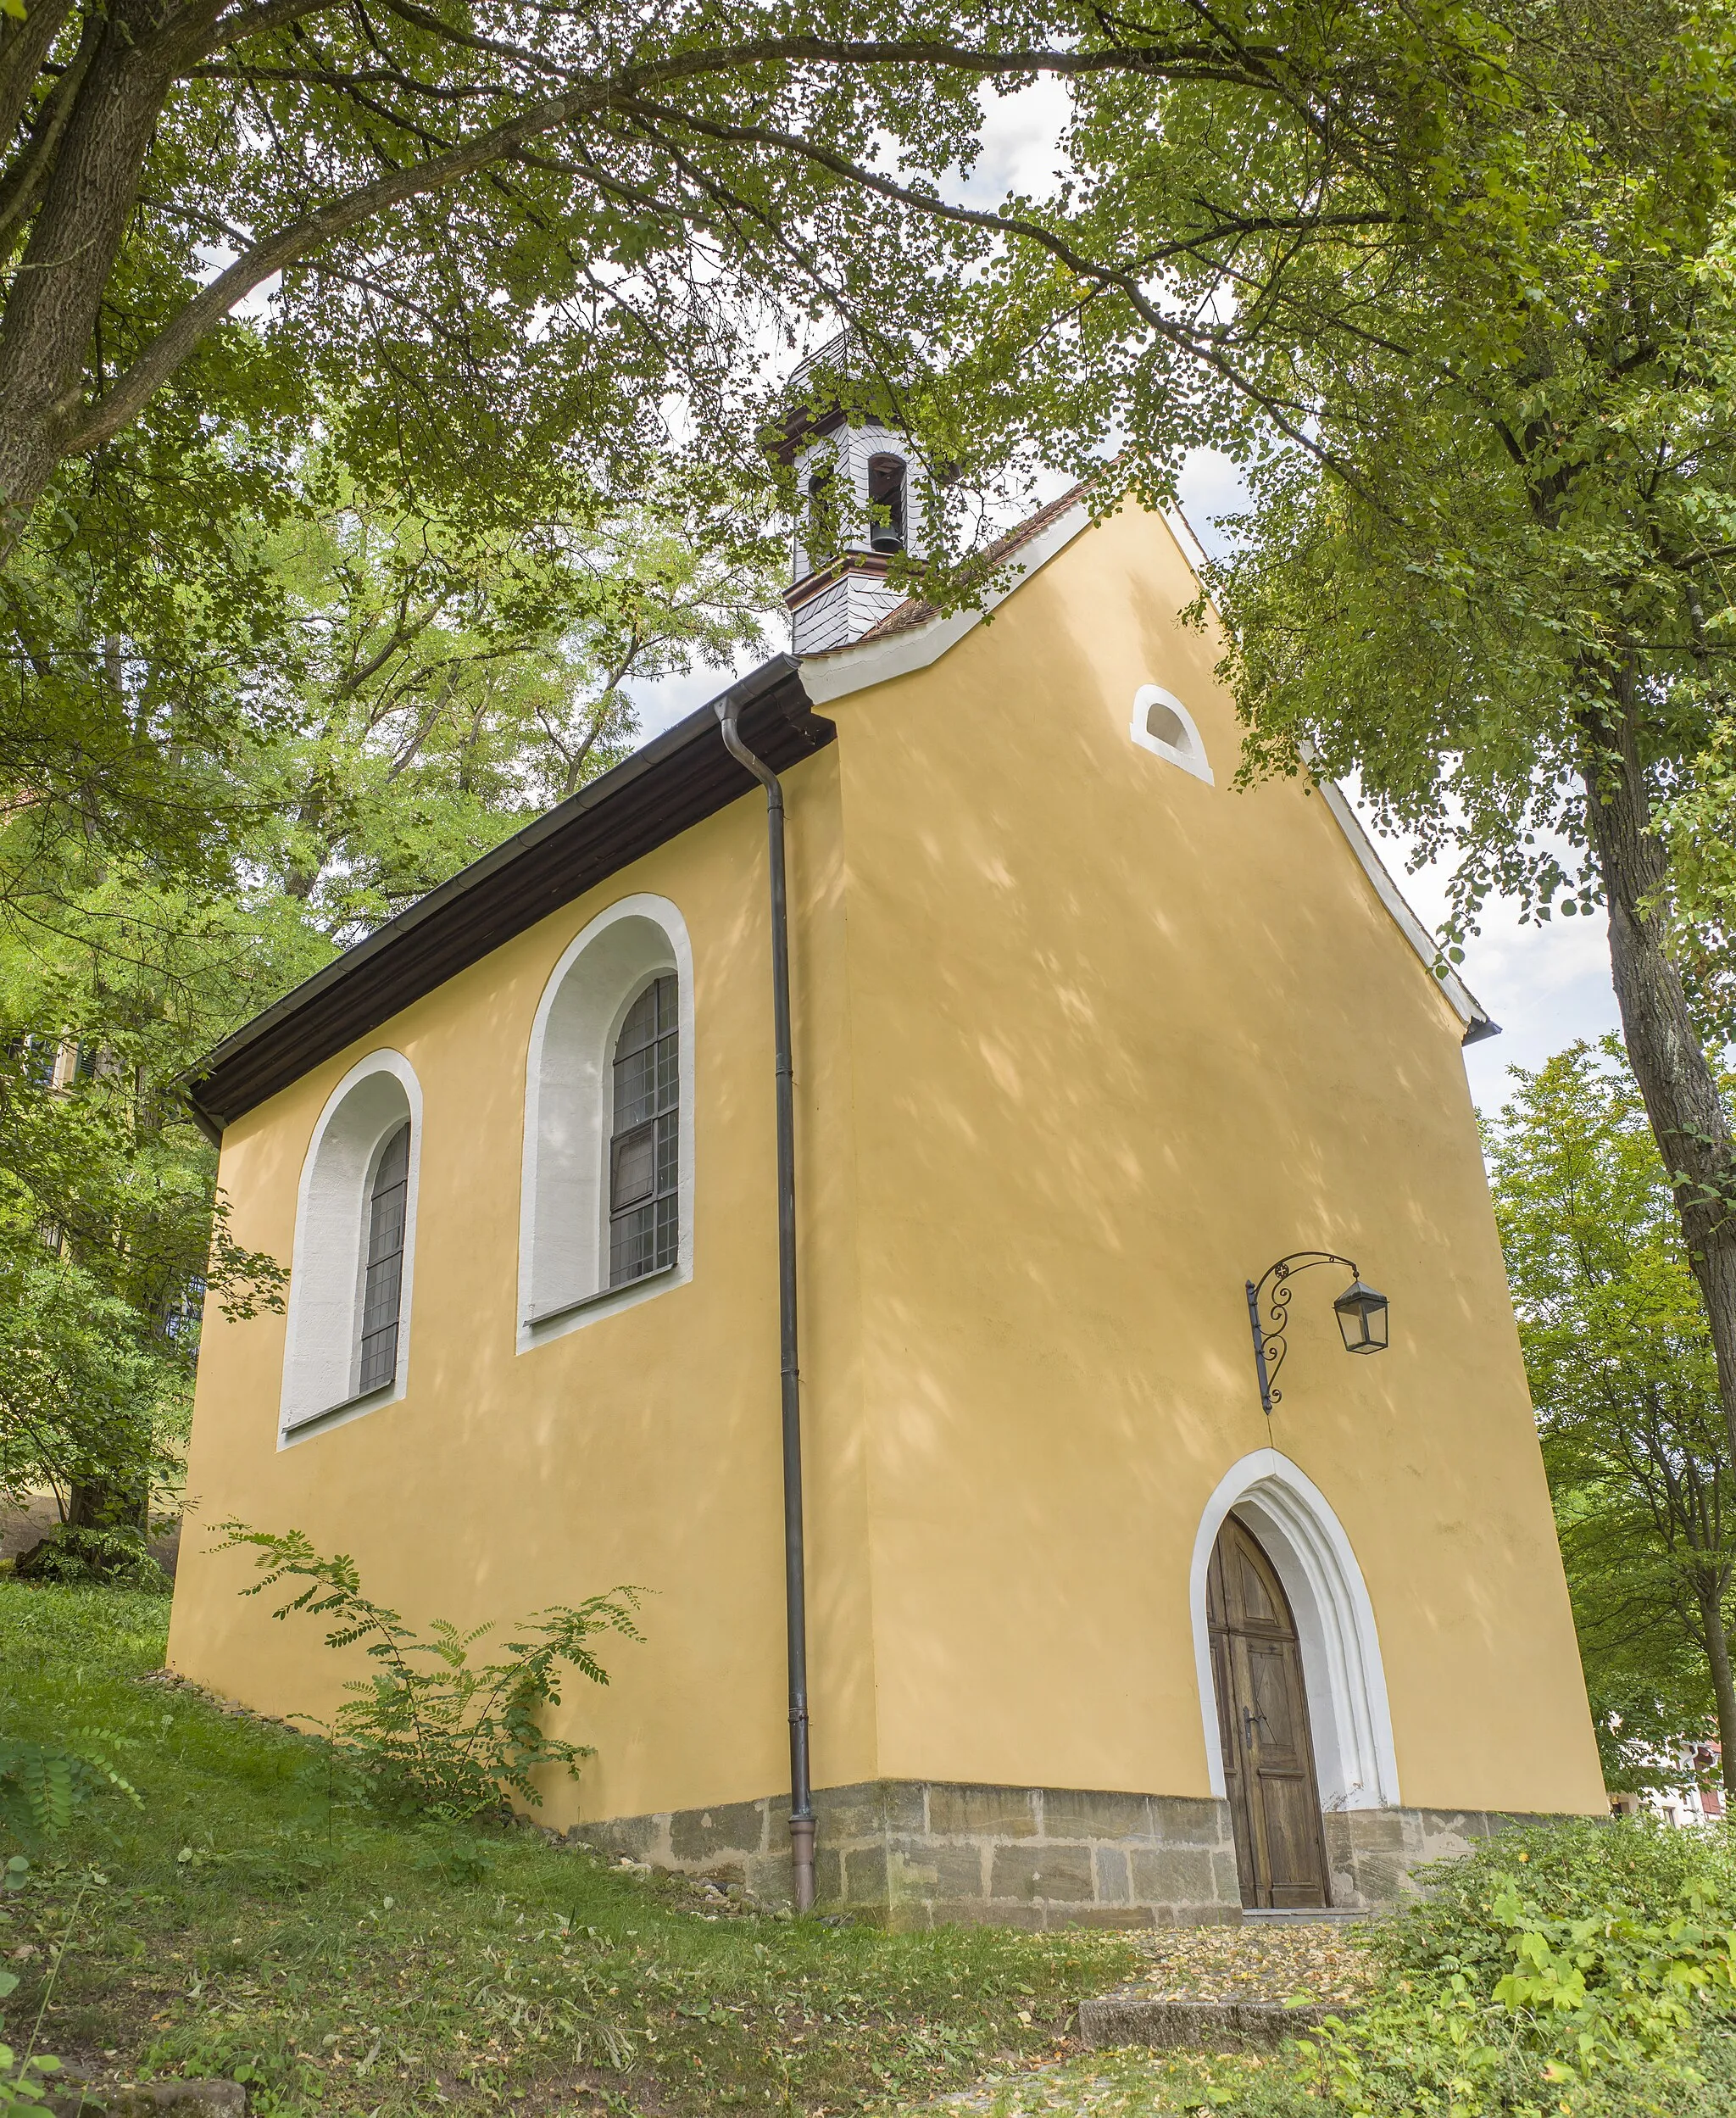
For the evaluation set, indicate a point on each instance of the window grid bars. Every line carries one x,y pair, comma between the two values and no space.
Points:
383,1283
644,1148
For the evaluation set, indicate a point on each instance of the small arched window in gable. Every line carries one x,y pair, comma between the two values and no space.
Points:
1164,726
644,1147
382,1282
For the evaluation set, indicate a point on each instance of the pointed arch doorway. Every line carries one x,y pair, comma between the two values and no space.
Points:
1262,1714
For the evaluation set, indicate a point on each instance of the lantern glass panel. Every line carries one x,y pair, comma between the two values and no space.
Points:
1362,1318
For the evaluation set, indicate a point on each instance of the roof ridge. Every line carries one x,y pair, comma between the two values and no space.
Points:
913,612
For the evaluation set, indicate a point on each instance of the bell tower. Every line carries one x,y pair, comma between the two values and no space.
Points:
852,477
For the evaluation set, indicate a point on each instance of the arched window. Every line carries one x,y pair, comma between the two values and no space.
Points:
346,1342
606,1218
644,1145
382,1280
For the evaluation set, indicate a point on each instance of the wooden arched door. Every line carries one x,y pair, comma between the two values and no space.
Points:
1262,1718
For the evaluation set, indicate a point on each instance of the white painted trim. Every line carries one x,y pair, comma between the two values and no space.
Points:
1190,755
843,670
1176,523
319,1339
1354,1759
837,674
549,1285
1464,1003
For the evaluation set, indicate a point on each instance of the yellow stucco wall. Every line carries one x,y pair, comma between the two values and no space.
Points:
642,1448
1122,1039
1082,1044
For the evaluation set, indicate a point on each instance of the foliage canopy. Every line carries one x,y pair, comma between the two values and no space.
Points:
1621,1373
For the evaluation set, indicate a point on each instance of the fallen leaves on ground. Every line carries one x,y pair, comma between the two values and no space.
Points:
1308,1961
1099,2085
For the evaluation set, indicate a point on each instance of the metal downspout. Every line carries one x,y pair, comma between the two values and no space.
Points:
795,1569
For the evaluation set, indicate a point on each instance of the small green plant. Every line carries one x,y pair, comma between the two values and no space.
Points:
104,1559
430,1727
44,1786
24,2083
1549,1968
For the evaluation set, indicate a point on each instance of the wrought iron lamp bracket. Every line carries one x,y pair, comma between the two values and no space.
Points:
1268,1314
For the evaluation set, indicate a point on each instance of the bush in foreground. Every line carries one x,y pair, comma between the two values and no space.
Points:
105,1558
1571,1967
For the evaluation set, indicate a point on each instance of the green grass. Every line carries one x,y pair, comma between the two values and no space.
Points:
1286,2085
242,1923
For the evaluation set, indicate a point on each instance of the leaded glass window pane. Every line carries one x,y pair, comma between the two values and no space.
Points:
382,1282
644,1147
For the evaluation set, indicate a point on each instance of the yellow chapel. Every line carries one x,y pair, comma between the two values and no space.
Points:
1068,1418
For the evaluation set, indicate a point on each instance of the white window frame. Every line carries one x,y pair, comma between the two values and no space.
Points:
1189,754
328,1265
568,1119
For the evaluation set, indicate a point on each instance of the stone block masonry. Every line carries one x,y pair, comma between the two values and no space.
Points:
912,1853
1374,1856
915,1853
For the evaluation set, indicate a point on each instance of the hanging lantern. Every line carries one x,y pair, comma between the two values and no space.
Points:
1362,1318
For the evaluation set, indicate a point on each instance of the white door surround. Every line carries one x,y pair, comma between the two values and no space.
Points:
1354,1757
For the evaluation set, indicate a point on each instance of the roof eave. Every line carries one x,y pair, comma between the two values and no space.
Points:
675,781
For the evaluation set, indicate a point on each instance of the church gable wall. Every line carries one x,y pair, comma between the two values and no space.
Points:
1123,1036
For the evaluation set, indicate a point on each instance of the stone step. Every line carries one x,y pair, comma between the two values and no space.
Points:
1132,2017
1299,1915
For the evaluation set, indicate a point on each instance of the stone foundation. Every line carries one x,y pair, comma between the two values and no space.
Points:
912,1853
1372,1855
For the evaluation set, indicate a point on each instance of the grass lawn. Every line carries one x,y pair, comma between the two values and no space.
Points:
240,1924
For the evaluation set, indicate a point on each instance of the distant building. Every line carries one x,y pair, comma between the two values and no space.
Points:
1694,1799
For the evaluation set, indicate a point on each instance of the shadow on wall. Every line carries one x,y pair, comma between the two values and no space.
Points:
1149,1158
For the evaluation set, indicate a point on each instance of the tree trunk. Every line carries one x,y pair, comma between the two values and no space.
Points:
108,1503
26,45
1717,1652
53,300
1682,1101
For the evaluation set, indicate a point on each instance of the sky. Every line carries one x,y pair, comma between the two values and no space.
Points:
1546,986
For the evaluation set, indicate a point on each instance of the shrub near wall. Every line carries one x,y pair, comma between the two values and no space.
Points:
1581,1969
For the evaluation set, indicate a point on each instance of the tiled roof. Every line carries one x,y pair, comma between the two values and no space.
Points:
911,613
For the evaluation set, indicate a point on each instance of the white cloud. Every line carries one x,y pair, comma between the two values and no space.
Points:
1020,144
